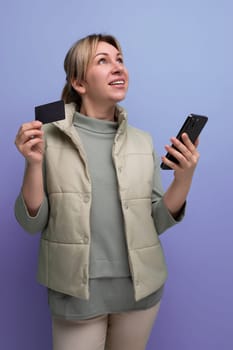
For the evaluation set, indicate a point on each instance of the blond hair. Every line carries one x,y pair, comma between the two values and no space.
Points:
77,60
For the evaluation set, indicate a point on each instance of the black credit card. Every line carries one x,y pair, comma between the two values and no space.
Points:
50,112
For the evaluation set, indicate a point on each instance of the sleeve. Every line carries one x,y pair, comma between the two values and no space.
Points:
161,215
31,224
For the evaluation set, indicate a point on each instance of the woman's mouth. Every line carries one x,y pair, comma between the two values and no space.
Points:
118,82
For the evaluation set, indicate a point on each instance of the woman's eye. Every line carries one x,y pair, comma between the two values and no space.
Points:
120,60
102,60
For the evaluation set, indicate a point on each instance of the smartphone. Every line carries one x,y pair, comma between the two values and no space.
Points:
50,112
193,126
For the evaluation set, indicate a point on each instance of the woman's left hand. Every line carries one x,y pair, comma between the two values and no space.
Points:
187,155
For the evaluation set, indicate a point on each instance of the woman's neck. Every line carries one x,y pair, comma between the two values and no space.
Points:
103,113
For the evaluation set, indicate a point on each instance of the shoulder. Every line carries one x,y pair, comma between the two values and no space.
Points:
139,134
139,141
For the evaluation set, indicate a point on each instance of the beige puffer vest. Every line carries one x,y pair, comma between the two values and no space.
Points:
65,242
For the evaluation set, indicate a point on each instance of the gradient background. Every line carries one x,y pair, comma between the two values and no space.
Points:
179,55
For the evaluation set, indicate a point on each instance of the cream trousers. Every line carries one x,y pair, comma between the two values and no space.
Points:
121,331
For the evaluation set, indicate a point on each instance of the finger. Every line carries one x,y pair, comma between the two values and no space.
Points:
187,142
185,149
176,153
32,134
169,163
193,156
35,124
196,143
185,158
28,134
29,126
27,149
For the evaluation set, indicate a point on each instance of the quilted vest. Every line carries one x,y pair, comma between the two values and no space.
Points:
65,242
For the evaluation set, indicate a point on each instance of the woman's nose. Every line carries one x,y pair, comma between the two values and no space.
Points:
117,67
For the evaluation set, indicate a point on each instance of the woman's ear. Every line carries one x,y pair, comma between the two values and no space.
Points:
79,87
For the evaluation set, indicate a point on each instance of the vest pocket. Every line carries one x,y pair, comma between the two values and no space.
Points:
64,268
149,270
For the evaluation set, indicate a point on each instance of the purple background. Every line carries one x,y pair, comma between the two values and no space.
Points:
179,55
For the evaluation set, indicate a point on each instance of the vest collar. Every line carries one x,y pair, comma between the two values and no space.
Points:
67,124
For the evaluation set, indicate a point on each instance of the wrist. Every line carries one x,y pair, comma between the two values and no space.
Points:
34,165
182,179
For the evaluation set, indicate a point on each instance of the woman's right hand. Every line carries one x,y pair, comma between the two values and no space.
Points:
30,143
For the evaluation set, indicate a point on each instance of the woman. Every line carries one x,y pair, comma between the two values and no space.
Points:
92,187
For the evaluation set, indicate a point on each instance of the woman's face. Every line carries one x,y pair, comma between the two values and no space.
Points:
106,78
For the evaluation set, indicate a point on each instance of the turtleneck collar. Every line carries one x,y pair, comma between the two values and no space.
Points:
94,124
